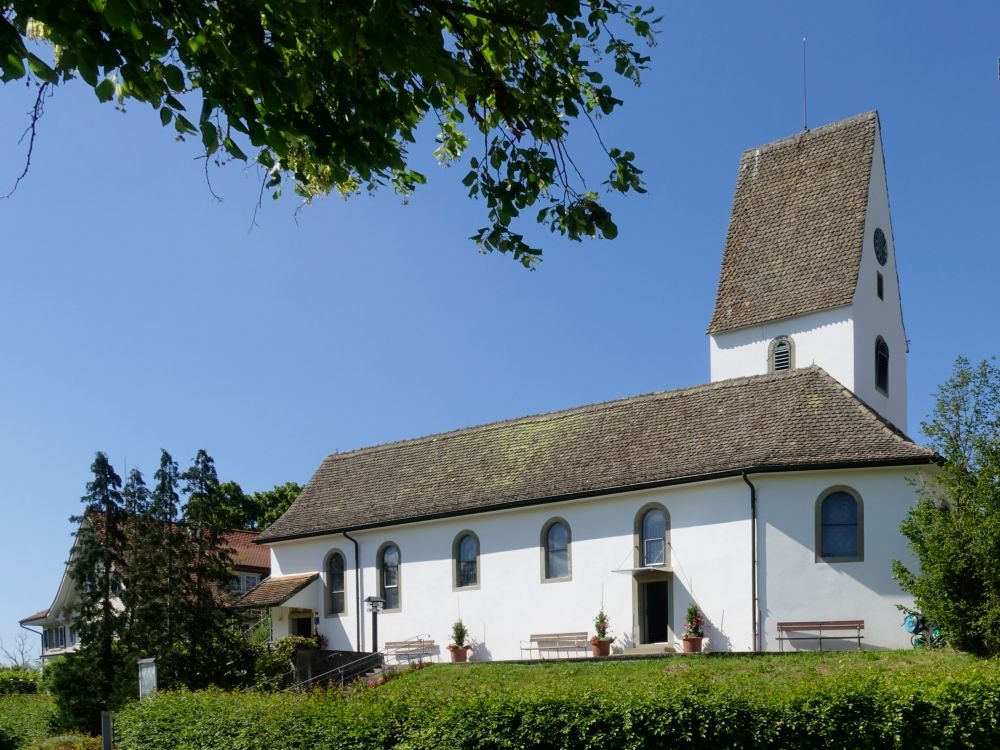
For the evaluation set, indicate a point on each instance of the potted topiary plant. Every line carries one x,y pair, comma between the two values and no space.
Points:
600,644
694,622
458,647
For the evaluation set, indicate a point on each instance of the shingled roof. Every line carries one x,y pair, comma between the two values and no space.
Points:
273,592
798,419
797,227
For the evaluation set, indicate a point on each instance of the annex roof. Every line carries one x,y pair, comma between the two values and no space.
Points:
246,554
792,420
273,592
35,619
797,226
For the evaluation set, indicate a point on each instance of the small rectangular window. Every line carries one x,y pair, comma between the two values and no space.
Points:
880,286
653,554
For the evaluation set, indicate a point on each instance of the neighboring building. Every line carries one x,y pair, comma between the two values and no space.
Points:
251,565
772,494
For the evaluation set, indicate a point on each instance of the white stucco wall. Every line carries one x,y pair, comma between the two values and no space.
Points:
795,587
879,317
824,338
710,559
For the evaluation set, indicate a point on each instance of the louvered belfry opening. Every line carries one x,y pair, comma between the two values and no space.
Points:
781,355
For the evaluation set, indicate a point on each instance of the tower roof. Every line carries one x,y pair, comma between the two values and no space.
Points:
797,227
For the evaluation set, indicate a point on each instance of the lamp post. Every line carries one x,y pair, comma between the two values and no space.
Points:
375,604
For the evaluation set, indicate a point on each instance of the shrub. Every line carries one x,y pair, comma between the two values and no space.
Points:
24,719
18,681
72,680
9,738
274,665
68,742
865,701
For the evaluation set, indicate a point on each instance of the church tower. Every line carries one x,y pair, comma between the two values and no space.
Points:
809,268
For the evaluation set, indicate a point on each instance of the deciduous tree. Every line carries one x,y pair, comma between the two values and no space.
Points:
955,527
331,95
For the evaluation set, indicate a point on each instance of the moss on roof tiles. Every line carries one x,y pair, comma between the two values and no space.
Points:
802,418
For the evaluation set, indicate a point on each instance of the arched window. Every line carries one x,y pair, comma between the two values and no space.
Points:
388,578
781,355
336,603
466,556
882,365
839,526
653,538
555,550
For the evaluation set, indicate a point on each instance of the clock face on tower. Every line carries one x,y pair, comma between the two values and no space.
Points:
881,251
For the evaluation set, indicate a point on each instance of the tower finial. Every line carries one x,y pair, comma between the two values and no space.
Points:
805,97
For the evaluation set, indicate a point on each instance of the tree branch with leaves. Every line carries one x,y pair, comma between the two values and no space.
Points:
329,96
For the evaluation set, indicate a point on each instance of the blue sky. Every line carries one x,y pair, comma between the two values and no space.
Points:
136,312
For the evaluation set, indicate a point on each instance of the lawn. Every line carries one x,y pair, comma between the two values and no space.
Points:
775,675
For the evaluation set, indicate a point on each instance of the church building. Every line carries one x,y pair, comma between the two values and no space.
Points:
772,494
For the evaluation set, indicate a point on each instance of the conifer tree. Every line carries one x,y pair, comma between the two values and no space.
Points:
96,566
209,570
170,547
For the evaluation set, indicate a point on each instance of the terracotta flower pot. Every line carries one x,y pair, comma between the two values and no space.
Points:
692,644
601,648
459,653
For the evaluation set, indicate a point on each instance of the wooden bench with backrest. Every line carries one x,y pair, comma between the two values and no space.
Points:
547,643
416,648
820,630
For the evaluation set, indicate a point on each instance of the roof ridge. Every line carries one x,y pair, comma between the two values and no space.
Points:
573,410
830,127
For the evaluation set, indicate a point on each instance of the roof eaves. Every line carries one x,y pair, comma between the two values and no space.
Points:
920,460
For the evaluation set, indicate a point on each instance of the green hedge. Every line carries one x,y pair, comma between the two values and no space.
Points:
17,681
749,704
24,719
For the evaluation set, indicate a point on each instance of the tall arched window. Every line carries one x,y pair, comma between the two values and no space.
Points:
839,526
882,365
388,578
653,538
466,556
556,550
336,603
781,355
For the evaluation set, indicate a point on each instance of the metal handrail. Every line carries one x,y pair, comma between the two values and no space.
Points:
372,656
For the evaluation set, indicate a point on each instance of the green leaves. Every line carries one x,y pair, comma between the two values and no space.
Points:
334,94
105,90
800,702
954,529
41,69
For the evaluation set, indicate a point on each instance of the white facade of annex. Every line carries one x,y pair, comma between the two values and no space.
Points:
710,563
841,340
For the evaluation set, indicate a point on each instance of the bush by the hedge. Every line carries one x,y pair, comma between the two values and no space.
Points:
18,681
945,705
24,719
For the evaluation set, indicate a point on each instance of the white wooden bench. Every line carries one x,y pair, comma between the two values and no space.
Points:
417,648
820,630
549,643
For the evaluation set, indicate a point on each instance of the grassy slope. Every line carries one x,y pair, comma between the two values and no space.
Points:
773,675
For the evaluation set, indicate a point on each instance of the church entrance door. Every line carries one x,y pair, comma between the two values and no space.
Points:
654,612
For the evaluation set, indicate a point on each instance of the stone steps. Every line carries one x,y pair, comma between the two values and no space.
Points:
650,649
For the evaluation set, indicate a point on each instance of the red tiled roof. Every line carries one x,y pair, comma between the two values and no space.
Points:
246,554
37,616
